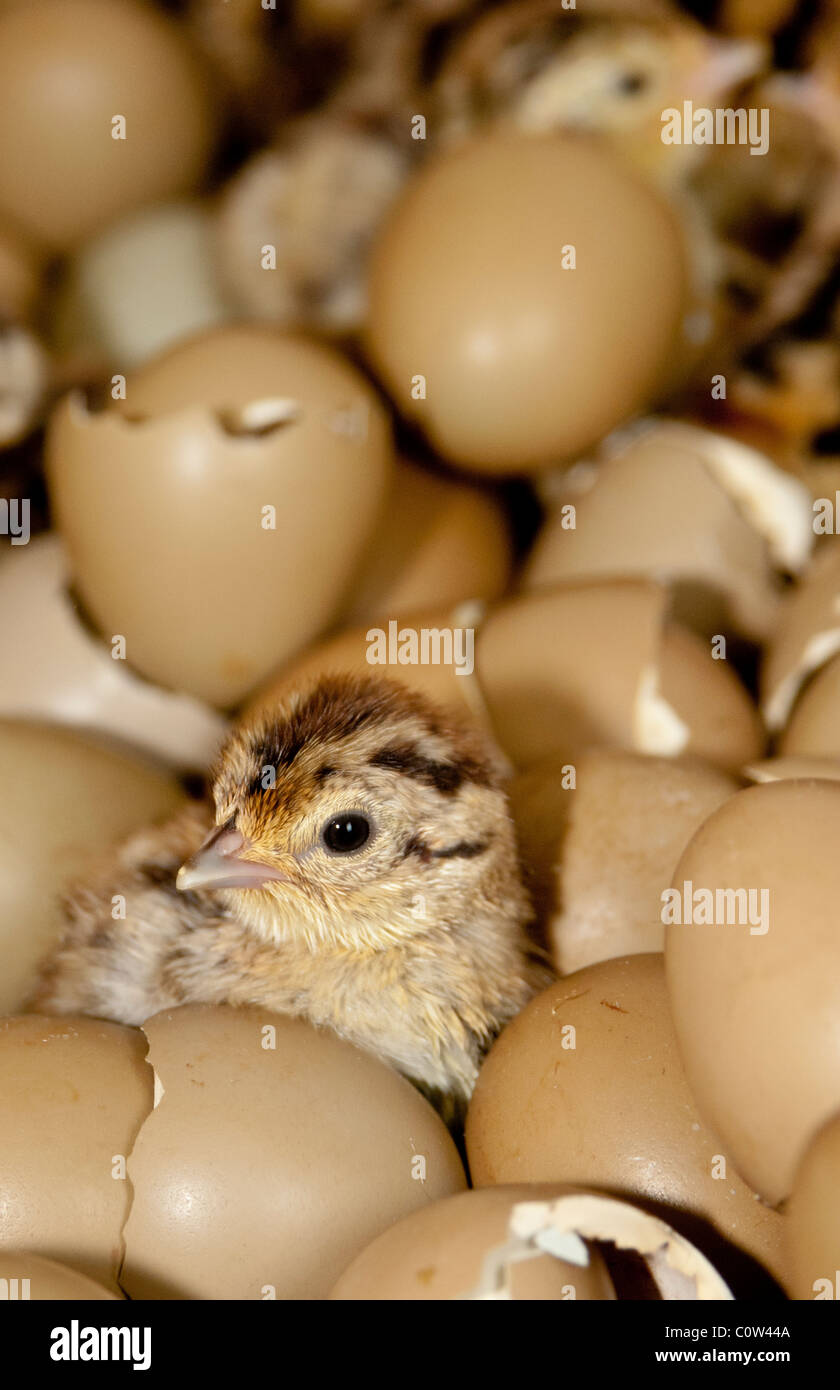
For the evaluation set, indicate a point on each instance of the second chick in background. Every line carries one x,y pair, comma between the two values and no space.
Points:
362,874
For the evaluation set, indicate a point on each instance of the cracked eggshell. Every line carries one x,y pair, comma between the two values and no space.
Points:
65,799
671,503
73,1094
756,1005
67,68
602,850
441,1252
807,636
161,500
275,1153
61,673
440,541
795,768
813,730
812,1226
525,362
47,1280
593,664
585,1086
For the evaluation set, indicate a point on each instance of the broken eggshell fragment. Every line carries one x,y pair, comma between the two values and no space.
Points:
192,509
807,636
275,1153
705,514
600,842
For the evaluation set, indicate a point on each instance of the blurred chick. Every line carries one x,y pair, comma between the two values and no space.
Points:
362,874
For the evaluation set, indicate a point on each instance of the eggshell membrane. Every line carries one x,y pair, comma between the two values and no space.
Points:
615,1112
814,727
65,799
563,670
525,362
270,1166
63,674
807,636
812,1228
604,850
656,509
49,1280
67,67
161,508
440,541
756,1015
439,1252
73,1093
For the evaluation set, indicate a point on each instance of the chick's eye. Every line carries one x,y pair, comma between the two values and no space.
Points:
342,834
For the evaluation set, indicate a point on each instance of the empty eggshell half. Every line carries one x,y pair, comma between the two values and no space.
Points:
27,1276
216,516
70,70
586,1086
812,1225
526,294
670,502
63,674
440,541
601,846
274,1154
807,636
442,1251
753,961
73,1094
64,799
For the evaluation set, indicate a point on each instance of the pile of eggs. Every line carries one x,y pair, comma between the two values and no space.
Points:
304,350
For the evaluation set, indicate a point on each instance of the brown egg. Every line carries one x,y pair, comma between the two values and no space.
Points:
525,362
595,664
20,276
755,991
65,799
438,542
807,635
440,1253
601,845
69,71
812,1226
61,673
275,1153
678,504
73,1094
253,466
813,729
585,1086
27,1276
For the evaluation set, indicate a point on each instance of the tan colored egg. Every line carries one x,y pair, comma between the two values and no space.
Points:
586,1086
509,358
28,1276
439,542
602,845
813,730
275,1153
73,1094
70,71
440,1252
667,504
807,636
64,799
20,276
812,1226
61,673
755,989
787,769
216,517
593,664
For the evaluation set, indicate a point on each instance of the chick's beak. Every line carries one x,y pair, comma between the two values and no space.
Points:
219,863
